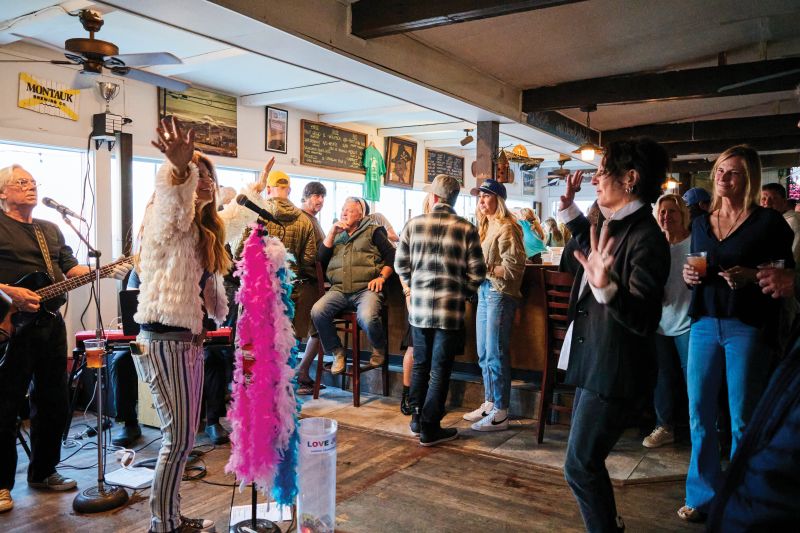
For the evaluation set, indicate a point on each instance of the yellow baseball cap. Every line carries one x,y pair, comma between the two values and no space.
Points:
278,178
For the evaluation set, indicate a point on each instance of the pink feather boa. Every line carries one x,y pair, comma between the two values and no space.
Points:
264,406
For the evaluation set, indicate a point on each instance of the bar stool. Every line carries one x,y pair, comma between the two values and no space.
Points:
347,323
558,286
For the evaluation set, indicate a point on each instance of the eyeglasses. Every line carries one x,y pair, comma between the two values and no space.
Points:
24,183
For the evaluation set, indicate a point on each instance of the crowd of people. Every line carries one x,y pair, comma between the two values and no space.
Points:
696,289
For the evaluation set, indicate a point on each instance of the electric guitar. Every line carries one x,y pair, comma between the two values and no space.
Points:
42,284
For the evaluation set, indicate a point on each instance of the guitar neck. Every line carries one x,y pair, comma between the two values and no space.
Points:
63,287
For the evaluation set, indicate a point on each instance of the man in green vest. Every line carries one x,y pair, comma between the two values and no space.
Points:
357,256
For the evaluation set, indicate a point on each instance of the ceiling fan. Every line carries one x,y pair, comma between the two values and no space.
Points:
560,172
94,55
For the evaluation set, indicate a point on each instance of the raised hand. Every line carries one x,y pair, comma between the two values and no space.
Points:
573,186
176,145
261,184
599,262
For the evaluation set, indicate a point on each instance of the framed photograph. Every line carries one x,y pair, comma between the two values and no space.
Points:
211,115
277,126
401,157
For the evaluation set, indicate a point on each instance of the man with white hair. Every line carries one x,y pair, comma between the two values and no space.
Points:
39,350
358,259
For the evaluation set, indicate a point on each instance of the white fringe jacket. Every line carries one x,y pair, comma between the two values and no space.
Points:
169,266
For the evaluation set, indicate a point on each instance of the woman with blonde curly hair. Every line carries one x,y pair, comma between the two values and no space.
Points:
181,263
532,234
498,298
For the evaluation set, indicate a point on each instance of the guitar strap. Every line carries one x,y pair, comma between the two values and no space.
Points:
45,250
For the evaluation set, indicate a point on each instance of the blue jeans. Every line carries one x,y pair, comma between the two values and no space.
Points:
368,313
672,353
493,321
719,349
597,423
434,353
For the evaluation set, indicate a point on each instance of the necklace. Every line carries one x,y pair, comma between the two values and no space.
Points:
719,225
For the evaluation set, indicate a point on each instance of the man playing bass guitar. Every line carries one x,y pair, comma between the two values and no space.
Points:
37,352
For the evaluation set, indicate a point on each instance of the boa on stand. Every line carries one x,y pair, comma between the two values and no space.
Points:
264,438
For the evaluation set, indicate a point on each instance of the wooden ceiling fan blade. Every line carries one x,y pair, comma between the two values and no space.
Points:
142,60
760,79
151,78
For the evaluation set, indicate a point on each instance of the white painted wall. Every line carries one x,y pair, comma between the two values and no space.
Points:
138,101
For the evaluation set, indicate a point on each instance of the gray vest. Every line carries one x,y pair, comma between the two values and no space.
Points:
356,260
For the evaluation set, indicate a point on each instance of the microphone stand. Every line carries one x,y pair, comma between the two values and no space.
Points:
102,497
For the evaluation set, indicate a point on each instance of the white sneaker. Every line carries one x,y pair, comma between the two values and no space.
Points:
659,437
497,420
480,412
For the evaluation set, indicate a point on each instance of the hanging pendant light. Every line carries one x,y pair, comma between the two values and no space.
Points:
588,150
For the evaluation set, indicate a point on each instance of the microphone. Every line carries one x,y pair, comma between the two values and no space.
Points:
64,210
263,213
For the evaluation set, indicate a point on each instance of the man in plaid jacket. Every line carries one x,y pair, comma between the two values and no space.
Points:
439,259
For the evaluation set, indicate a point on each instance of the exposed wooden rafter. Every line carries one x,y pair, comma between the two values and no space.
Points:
709,130
706,82
786,142
377,18
767,161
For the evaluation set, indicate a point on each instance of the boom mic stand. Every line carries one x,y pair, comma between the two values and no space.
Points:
102,497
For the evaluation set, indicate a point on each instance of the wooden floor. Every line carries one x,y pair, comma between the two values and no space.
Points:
384,483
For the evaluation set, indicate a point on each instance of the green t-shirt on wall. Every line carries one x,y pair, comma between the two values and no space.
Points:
373,162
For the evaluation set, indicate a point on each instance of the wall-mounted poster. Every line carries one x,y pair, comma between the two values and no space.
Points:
401,156
48,97
211,115
277,127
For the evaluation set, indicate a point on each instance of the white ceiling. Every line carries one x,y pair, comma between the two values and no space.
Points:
234,70
228,52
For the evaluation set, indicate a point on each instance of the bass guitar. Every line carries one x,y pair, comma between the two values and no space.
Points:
42,284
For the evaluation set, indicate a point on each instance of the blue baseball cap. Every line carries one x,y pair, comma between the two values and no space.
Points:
492,187
696,195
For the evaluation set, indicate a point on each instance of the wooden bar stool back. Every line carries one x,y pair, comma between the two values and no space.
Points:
347,322
558,286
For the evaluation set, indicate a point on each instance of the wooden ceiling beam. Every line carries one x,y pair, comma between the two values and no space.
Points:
709,130
786,160
378,18
727,80
762,144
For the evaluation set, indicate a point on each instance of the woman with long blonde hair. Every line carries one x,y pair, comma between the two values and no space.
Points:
554,235
181,262
734,325
498,298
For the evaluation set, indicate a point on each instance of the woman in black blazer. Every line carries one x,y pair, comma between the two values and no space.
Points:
615,306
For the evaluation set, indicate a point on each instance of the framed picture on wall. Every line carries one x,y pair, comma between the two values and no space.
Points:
401,157
277,127
211,115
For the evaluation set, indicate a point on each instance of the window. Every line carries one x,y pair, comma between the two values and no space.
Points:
59,174
583,205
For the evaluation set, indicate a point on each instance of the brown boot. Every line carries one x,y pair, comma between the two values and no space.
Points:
339,363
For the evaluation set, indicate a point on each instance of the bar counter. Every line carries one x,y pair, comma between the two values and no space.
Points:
527,336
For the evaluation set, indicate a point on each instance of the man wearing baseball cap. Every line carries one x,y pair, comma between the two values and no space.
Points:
440,261
698,200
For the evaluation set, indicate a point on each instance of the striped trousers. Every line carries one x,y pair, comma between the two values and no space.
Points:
174,372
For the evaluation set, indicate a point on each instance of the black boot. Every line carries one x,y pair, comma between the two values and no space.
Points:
414,425
127,435
217,433
405,406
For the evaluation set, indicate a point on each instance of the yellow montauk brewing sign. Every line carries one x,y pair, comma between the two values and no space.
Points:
48,97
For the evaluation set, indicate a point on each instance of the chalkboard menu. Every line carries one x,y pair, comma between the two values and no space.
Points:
443,163
331,147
